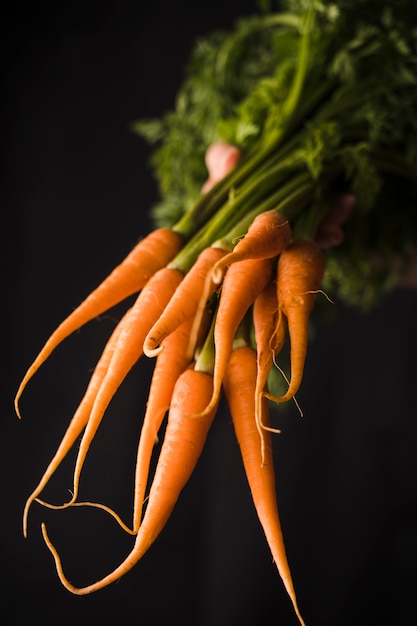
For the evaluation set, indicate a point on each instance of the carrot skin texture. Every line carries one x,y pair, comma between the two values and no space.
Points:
147,257
300,271
183,443
185,301
239,386
267,236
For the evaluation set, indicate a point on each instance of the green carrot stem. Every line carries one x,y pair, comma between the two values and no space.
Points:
236,210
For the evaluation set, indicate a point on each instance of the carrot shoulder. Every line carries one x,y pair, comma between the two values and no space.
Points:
239,386
300,271
148,256
267,236
182,446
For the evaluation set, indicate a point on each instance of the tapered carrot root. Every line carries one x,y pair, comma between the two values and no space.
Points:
243,282
300,271
185,301
183,443
149,255
239,386
270,333
268,235
75,428
127,351
170,364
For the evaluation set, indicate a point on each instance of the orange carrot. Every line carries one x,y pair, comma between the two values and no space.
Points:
243,282
185,301
267,236
270,332
239,386
183,443
170,363
75,427
127,351
300,271
149,255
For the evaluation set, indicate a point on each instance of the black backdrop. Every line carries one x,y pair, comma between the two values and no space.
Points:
76,190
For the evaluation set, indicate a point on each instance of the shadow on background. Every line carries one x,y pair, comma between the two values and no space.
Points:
77,191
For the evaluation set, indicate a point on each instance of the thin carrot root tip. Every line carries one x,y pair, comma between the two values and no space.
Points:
218,273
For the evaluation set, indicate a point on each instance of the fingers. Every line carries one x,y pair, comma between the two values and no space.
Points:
330,231
220,159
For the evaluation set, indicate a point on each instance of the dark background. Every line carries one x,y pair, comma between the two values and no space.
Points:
76,193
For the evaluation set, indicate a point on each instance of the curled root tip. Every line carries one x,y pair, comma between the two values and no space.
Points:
152,352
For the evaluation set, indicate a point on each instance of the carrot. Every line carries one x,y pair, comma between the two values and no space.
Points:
300,271
170,364
75,427
243,282
239,385
185,301
183,443
127,351
270,333
149,255
267,236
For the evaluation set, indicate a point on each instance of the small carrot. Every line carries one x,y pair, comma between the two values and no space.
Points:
239,386
300,271
243,282
148,256
182,446
75,427
267,236
185,301
270,333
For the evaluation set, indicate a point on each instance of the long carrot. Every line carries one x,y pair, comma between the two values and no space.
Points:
170,364
267,236
127,351
239,386
300,271
75,427
243,282
185,301
148,256
183,443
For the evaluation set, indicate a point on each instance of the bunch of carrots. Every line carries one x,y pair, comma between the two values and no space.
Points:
197,325
220,292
